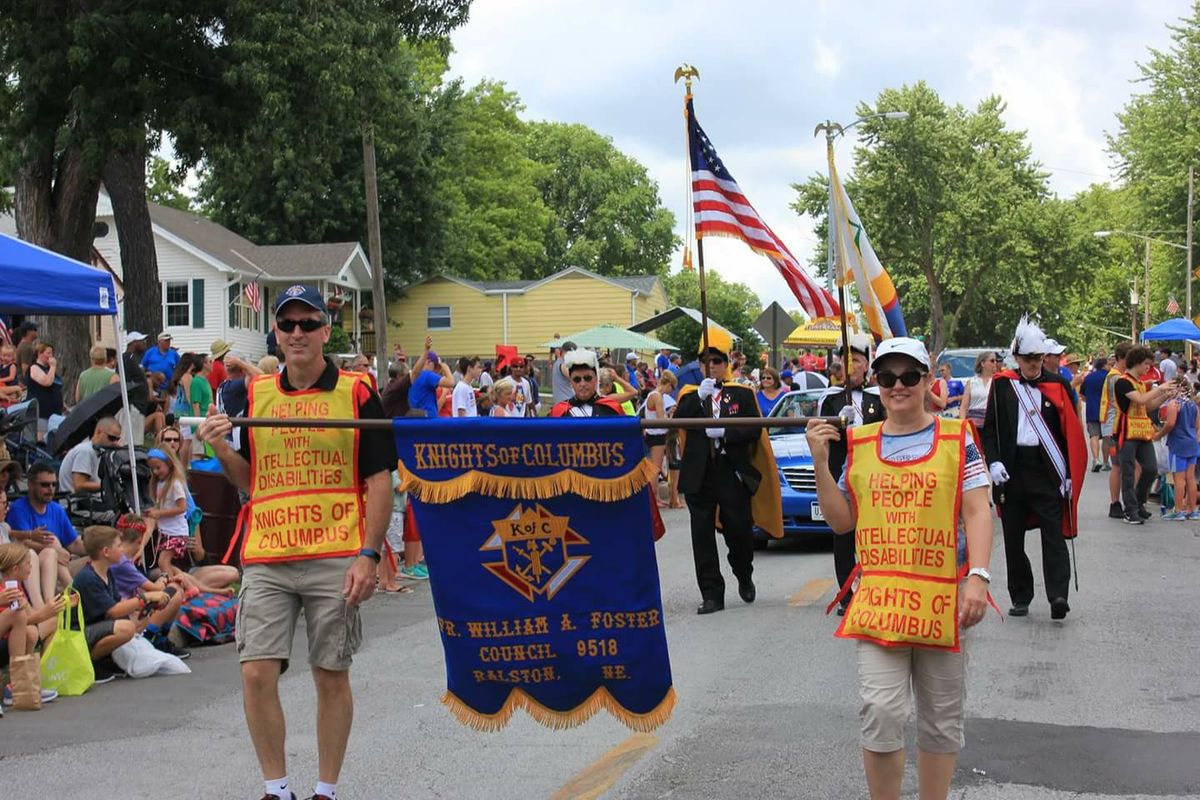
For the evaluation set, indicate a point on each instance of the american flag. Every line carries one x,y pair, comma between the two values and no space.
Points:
253,297
1172,306
5,336
722,210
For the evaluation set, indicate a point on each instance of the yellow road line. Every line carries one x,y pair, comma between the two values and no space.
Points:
811,592
599,776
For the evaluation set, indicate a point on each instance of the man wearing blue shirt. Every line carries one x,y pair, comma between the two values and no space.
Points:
1093,391
38,522
428,375
631,369
162,358
662,362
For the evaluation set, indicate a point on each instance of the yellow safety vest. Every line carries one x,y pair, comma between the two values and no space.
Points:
1135,423
906,537
304,484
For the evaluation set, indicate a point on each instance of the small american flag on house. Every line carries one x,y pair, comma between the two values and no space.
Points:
1172,306
253,297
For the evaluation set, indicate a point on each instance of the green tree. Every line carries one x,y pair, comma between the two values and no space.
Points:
961,217
607,214
493,216
730,304
1158,139
164,184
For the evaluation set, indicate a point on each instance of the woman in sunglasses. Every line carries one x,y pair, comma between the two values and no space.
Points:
914,490
975,392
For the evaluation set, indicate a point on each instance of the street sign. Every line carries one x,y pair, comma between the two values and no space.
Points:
774,323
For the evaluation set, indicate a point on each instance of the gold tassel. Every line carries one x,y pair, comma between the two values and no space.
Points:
600,700
567,481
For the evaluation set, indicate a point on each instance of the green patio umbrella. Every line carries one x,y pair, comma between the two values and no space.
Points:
611,337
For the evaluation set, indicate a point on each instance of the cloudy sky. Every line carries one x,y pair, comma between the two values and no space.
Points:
770,71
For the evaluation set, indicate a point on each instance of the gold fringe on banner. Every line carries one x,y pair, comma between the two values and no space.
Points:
600,700
566,481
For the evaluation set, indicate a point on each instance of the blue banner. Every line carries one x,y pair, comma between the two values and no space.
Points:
538,537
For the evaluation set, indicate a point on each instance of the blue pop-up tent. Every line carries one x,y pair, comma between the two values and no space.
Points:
40,281
1178,329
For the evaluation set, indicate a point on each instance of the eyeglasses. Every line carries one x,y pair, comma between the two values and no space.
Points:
582,378
306,325
910,378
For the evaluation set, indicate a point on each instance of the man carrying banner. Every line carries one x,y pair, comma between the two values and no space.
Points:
868,408
718,473
583,369
311,543
1037,457
912,472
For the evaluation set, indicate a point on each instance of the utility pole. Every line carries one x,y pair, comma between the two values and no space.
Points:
1133,306
1146,290
375,252
1191,196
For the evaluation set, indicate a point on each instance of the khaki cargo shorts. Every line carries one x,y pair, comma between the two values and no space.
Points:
888,680
271,599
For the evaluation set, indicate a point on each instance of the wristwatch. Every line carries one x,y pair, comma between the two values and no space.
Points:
371,554
981,572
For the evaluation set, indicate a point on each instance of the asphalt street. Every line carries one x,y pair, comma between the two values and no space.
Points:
1105,704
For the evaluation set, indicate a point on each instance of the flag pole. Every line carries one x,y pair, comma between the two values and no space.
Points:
837,261
688,73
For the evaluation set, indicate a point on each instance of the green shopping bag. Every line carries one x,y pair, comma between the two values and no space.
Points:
67,663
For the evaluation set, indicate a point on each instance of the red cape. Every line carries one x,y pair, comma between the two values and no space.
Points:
561,408
1076,454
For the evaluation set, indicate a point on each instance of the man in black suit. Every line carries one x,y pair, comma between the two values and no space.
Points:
717,472
868,408
1037,458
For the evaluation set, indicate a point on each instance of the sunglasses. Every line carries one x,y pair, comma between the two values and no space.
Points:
112,439
582,378
47,484
910,378
306,325
170,438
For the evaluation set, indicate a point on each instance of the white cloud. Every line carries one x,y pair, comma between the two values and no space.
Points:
771,70
826,60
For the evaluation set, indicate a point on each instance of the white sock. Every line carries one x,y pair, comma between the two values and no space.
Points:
279,788
327,789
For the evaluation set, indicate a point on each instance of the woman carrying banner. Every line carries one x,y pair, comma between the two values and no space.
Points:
914,490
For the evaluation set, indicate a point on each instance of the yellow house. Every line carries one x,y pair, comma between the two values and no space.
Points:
472,317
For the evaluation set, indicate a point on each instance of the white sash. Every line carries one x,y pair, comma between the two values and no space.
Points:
1030,401
581,411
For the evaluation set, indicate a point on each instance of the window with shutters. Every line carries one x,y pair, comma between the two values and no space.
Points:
177,304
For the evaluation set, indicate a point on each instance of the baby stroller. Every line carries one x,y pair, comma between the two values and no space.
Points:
116,488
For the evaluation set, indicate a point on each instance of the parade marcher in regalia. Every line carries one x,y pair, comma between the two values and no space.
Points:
319,556
583,371
1037,457
719,472
867,408
912,472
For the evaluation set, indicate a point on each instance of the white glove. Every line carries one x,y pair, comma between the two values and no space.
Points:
999,473
715,433
708,387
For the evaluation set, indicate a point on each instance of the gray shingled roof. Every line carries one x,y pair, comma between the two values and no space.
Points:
639,283
304,260
277,261
206,235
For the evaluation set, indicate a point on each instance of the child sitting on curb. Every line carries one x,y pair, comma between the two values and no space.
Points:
21,627
130,580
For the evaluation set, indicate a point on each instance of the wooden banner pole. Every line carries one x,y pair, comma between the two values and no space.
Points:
386,424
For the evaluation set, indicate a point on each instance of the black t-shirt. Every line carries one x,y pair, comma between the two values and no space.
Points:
1121,388
376,449
96,594
139,396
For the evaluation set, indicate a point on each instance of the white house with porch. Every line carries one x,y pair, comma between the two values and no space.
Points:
204,268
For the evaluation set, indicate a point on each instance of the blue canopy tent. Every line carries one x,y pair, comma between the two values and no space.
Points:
1178,329
40,281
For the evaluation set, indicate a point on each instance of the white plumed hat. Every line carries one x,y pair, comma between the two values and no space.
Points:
581,358
1029,339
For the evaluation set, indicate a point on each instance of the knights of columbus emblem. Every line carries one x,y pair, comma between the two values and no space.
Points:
536,546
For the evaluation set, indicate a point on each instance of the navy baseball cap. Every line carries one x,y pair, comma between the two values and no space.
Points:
303,293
